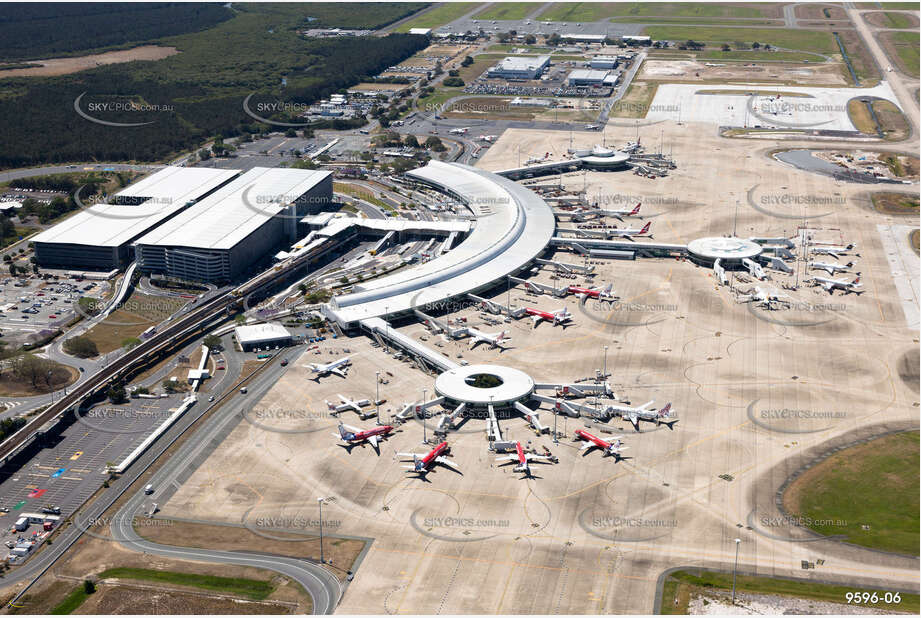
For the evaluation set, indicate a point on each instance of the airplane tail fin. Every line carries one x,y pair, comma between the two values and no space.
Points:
342,432
646,227
856,281
636,209
666,411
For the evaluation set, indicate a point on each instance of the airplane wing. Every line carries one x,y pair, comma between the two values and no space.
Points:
530,457
507,458
373,440
586,445
633,418
828,286
447,462
407,454
338,372
647,404
350,428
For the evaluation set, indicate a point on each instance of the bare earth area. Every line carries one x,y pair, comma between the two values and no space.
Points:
64,66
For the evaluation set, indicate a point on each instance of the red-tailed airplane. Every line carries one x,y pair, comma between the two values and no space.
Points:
353,435
560,316
423,465
604,293
629,233
612,448
522,458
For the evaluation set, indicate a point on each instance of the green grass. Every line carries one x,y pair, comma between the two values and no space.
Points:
759,56
707,21
509,10
703,580
897,20
73,600
595,11
906,48
901,6
440,15
506,48
884,475
250,588
799,40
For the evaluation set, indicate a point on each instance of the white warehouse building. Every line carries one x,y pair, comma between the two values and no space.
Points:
230,232
520,67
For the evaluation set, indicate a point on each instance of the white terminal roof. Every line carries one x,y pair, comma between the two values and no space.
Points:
339,224
458,384
236,210
724,247
112,225
256,333
513,226
522,63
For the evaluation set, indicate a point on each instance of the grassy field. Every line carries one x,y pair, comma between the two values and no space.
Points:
505,48
884,473
635,103
509,10
915,239
440,15
860,116
896,6
138,313
759,56
799,40
895,203
249,588
887,19
705,21
596,11
682,584
895,125
905,48
74,600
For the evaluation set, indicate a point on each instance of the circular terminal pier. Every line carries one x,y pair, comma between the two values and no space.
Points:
604,158
723,248
479,385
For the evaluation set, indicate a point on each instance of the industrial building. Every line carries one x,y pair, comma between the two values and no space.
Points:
603,63
588,77
100,237
520,67
583,38
230,232
262,336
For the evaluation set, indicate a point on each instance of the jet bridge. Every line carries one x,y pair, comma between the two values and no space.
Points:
423,353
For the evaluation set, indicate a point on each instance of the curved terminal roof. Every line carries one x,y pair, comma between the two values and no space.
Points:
458,385
724,247
513,226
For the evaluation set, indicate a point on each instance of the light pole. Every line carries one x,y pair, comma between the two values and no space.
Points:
320,503
604,373
556,415
424,438
735,566
377,391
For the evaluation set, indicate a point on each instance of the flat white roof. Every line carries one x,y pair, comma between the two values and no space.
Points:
588,74
112,225
513,226
236,210
255,333
457,384
420,30
522,63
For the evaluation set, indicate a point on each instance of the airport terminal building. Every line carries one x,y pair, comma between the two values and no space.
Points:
228,234
520,67
100,237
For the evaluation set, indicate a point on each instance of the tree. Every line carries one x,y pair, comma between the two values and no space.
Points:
467,61
756,45
453,82
291,133
411,141
33,369
454,73
88,586
81,347
204,154
240,319
726,47
530,39
212,341
169,386
434,143
88,306
117,394
13,269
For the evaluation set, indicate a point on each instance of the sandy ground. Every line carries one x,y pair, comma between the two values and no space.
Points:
811,74
591,535
762,604
64,66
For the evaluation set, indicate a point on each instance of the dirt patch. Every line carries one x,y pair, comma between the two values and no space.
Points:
64,66
341,553
909,369
117,599
820,11
896,203
884,19
135,315
13,385
697,71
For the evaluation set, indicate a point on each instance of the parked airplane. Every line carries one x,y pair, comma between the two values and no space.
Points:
591,127
831,284
338,367
642,413
560,316
461,131
423,465
830,268
632,146
353,435
347,404
487,138
612,448
494,341
833,251
620,214
767,298
605,293
629,233
522,459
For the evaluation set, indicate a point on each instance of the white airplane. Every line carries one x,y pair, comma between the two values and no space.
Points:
495,341
767,298
620,214
629,233
347,404
832,250
608,448
605,293
487,138
560,316
522,459
591,127
831,284
422,465
632,146
830,268
337,366
462,131
353,436
532,160
643,413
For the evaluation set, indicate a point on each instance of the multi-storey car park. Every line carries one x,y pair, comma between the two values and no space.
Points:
101,236
228,233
